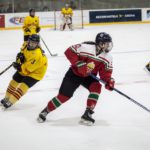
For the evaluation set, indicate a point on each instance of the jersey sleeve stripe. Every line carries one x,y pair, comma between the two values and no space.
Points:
100,59
85,53
73,49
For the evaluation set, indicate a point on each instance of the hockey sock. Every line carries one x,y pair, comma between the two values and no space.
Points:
64,26
56,102
95,89
92,100
18,93
70,26
11,88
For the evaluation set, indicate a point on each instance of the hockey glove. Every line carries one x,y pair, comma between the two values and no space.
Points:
85,69
27,30
20,58
110,84
17,66
38,29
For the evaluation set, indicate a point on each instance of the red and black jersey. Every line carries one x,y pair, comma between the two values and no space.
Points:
87,53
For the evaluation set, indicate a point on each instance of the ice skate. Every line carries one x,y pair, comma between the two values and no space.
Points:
86,118
42,116
5,103
147,68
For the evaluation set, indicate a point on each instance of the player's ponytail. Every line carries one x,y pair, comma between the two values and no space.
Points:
89,42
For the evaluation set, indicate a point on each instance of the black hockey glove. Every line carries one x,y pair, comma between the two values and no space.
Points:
17,66
38,29
20,57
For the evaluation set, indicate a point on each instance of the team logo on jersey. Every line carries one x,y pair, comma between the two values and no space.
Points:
33,61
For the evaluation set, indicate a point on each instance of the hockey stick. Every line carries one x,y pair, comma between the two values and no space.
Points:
121,93
6,69
47,48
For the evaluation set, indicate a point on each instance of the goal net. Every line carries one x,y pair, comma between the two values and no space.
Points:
77,19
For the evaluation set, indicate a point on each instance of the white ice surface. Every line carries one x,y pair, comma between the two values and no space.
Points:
120,124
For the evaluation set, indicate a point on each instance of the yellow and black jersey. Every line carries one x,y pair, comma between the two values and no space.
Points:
66,12
35,64
30,25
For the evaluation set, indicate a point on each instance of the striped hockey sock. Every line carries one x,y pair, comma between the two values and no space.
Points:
92,100
18,93
56,102
11,88
95,90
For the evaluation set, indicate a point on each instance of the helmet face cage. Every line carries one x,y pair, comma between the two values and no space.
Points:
104,42
32,12
33,42
66,6
105,46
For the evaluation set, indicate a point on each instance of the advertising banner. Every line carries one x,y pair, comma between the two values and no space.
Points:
115,16
2,21
17,19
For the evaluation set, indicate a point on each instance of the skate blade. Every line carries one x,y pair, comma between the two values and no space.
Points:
3,108
86,122
39,120
145,69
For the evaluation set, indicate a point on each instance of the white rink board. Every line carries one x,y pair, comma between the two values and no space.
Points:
47,18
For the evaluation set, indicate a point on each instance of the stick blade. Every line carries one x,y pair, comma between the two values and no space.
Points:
54,55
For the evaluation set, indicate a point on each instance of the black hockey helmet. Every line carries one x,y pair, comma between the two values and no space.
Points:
104,42
31,10
33,42
34,38
103,37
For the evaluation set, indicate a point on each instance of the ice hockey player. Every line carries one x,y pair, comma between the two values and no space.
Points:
31,25
148,67
85,58
66,17
31,65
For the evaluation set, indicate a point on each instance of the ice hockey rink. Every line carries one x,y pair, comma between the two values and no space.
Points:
120,124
